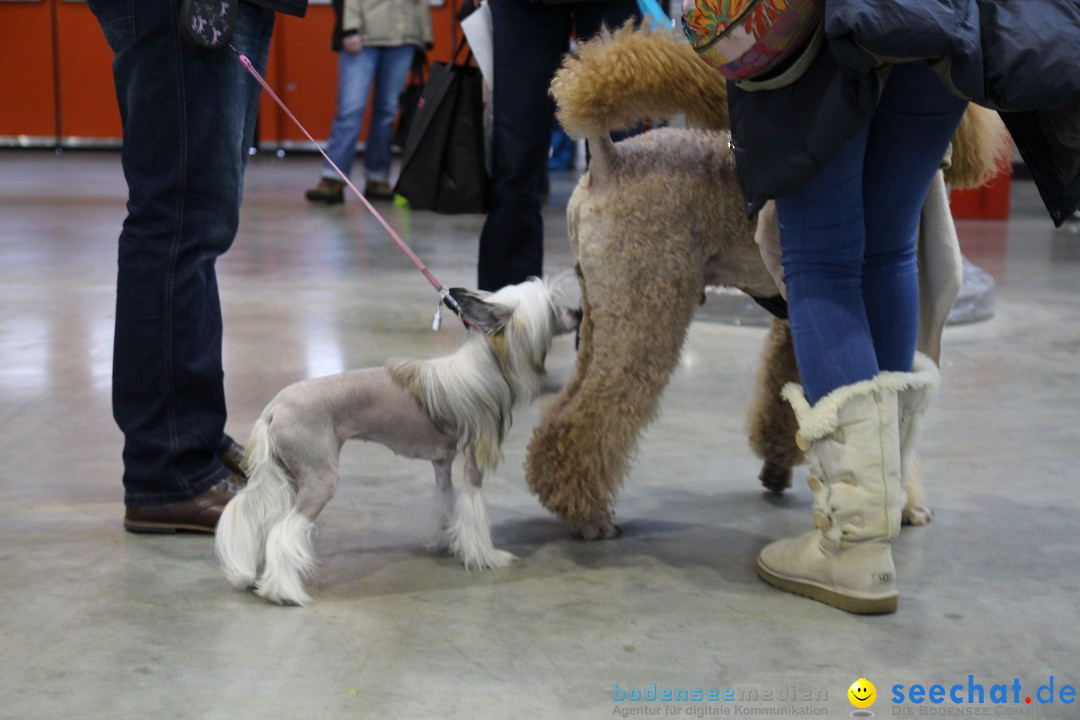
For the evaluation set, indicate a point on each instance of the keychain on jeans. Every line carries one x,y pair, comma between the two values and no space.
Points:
208,24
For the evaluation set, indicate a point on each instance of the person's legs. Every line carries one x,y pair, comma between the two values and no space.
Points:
822,239
393,72
529,41
183,159
845,410
253,39
852,281
848,244
355,75
915,120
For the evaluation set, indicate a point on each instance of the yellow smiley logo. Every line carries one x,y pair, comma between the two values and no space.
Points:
862,693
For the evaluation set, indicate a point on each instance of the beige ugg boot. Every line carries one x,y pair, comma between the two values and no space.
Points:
851,438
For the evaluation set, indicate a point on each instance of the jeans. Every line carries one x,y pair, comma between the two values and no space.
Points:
188,118
388,69
530,39
848,237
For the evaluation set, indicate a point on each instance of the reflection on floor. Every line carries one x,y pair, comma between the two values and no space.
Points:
100,624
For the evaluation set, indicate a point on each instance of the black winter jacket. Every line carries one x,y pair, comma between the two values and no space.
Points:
1020,57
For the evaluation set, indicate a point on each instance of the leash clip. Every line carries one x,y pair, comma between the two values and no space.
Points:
446,298
436,322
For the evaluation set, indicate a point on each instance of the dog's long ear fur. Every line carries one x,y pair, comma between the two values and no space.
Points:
489,318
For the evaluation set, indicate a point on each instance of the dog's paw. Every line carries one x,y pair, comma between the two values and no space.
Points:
281,593
436,544
600,529
489,559
439,541
916,515
916,511
775,478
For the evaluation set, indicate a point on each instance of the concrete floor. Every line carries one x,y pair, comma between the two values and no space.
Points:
97,623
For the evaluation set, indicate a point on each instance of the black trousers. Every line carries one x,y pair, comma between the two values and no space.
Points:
530,39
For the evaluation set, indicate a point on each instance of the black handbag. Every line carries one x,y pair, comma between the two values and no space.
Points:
442,167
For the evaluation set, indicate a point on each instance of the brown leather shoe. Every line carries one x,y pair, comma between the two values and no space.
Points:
199,514
331,192
233,459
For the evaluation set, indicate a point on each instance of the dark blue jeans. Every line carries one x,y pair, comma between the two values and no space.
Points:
188,119
530,39
848,236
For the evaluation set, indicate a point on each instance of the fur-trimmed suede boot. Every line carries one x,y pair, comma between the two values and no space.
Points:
851,438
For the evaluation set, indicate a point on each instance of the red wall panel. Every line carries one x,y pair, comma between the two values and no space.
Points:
990,202
87,96
56,76
302,70
27,82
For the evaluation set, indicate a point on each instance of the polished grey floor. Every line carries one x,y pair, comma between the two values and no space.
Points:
96,623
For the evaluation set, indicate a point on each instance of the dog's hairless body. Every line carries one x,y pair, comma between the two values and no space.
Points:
315,417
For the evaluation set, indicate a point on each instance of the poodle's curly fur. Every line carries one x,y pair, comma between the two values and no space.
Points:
643,265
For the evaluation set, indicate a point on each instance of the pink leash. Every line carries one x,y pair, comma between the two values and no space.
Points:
444,294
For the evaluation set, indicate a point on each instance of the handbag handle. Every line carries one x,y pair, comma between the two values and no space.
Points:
462,44
420,68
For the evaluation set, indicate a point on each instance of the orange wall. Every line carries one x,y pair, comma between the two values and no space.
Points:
85,92
56,83
27,97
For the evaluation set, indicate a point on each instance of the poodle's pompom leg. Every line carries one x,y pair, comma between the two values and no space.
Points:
632,335
583,347
771,425
602,528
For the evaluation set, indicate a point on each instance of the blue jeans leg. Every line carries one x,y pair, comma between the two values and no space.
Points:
529,40
848,238
914,122
356,73
822,240
188,117
393,72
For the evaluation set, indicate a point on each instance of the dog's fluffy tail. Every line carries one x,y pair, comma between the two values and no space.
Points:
241,533
981,149
620,77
